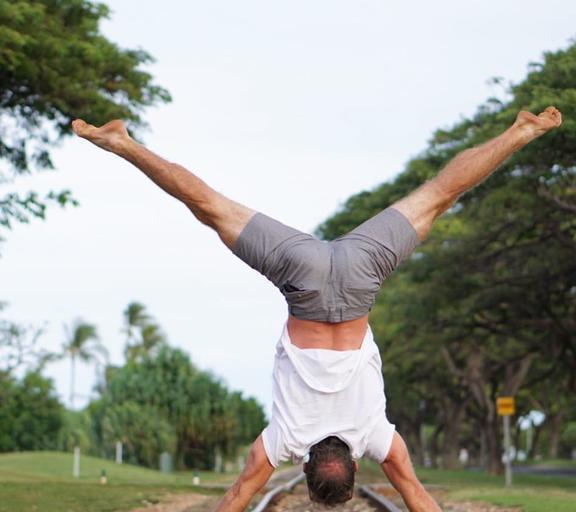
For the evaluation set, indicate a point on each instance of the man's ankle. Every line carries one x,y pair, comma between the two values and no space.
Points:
123,146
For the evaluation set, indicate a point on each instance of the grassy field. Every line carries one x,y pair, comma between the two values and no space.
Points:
553,463
530,493
42,481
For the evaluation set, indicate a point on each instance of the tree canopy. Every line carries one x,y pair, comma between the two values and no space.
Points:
30,413
158,401
487,305
55,66
162,402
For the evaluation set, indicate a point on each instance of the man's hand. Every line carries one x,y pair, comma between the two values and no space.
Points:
256,473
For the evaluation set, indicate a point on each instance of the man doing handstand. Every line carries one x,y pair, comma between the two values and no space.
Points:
329,406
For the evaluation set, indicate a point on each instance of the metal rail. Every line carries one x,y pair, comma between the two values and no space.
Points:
380,500
288,486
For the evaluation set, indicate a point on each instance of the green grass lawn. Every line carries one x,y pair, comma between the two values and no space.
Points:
42,481
552,463
57,465
531,493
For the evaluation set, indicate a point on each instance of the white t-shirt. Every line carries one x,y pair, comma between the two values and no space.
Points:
319,393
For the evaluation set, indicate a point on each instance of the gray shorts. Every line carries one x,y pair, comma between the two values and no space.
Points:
331,281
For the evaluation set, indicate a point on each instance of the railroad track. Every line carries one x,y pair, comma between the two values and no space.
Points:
292,496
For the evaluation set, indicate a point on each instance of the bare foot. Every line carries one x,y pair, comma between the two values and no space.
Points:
532,126
110,136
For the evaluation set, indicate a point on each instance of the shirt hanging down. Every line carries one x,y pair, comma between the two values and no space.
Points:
319,393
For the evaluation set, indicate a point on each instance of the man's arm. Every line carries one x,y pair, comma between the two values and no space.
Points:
470,168
256,473
398,468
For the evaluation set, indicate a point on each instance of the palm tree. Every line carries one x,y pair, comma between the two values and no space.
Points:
151,339
151,336
82,343
135,315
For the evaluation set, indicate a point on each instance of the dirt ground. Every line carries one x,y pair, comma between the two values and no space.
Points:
299,501
447,506
181,503
475,506
201,503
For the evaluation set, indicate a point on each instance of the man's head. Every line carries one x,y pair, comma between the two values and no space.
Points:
330,472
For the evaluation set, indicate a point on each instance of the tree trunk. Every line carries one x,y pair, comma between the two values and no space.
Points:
450,444
72,379
556,423
493,447
535,439
415,443
516,439
434,449
483,450
476,376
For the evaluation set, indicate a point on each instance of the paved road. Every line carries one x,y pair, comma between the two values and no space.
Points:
544,471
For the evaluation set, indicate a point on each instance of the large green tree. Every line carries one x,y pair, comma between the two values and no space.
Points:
487,306
30,413
144,433
55,66
195,415
160,401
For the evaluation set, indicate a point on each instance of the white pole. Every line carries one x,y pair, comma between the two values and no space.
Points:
507,451
118,452
72,379
529,433
76,469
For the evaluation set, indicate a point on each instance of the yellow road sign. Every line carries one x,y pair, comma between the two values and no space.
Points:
505,406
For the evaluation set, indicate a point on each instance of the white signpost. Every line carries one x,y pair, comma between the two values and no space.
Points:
507,408
118,452
76,467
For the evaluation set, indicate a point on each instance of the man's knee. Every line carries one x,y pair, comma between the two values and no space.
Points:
220,213
423,206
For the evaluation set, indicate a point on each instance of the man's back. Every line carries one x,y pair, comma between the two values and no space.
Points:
320,393
324,335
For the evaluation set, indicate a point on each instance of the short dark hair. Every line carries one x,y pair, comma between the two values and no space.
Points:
330,472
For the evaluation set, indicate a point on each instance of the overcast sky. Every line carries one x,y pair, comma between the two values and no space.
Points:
288,107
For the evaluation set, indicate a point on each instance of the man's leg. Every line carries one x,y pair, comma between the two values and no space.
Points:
470,168
225,216
398,468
